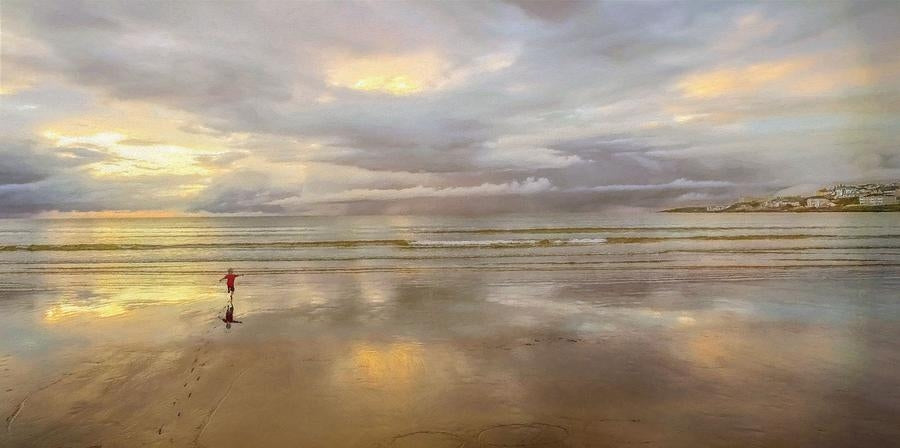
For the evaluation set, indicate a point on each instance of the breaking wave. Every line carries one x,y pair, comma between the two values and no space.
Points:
427,244
551,230
505,243
309,244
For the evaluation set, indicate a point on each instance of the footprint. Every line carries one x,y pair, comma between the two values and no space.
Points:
436,439
531,435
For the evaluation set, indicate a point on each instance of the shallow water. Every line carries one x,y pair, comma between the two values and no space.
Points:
299,244
666,330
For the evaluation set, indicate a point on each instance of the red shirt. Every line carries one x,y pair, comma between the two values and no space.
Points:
229,278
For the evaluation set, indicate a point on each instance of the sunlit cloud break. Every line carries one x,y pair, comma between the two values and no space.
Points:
530,185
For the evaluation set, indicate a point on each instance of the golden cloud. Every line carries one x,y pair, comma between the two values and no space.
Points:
394,75
410,74
748,79
130,159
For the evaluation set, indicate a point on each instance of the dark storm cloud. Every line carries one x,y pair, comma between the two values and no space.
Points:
585,95
23,163
30,178
37,179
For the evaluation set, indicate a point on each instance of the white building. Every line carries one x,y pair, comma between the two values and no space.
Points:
844,191
877,199
716,208
818,202
781,202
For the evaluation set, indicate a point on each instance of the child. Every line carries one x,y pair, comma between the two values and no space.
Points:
229,310
230,276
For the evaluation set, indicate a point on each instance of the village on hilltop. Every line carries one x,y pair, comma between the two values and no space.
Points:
840,197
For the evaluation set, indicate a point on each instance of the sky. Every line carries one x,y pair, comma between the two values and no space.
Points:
393,107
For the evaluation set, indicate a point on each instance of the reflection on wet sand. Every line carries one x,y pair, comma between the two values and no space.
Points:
62,311
102,298
392,366
467,359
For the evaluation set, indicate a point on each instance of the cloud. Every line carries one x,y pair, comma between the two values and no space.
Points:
677,184
798,190
24,163
36,179
260,107
528,186
130,157
694,196
245,191
741,80
557,11
525,158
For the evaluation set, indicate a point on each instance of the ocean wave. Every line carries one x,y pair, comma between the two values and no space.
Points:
505,243
308,244
642,266
234,245
428,244
550,230
760,237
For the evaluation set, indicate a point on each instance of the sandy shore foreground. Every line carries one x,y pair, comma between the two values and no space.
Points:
468,360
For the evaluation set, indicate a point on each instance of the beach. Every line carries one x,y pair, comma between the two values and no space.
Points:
531,331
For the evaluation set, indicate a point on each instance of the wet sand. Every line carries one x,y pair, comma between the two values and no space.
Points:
797,358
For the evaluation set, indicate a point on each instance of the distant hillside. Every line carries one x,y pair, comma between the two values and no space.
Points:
868,197
835,209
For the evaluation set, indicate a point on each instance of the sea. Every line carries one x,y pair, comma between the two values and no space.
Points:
659,242
59,269
75,266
